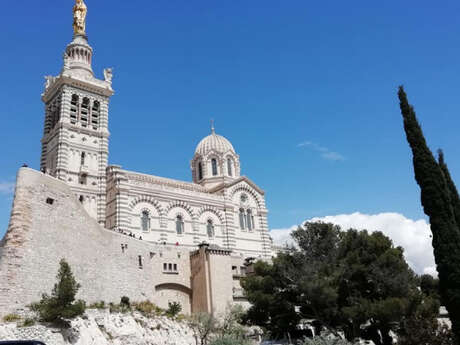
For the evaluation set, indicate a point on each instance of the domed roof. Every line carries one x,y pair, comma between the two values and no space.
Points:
214,142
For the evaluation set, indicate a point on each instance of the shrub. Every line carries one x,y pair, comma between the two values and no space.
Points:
320,340
11,318
98,305
61,304
181,317
28,322
147,308
125,301
230,340
174,308
202,325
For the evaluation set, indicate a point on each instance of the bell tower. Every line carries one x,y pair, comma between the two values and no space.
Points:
76,136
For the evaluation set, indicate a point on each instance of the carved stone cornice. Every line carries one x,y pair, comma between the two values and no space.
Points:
85,83
150,179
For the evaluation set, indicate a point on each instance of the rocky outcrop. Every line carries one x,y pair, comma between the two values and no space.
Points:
100,327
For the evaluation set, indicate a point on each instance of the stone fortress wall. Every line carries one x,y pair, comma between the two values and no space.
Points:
48,224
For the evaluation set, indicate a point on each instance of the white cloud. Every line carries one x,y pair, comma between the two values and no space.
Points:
324,152
413,236
282,236
6,187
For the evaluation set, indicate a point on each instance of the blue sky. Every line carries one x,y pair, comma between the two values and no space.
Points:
305,91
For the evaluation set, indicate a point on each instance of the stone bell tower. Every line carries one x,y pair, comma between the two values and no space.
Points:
76,136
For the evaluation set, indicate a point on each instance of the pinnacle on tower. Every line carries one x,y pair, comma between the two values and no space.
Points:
78,54
79,18
213,130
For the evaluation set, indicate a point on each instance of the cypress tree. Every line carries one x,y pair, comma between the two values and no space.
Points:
455,199
439,203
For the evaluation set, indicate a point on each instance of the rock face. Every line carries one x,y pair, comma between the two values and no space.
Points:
100,327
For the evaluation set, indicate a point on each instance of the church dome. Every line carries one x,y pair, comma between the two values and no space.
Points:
214,142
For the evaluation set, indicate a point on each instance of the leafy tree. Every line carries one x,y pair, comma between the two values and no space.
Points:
441,204
202,325
316,270
345,280
272,298
230,324
429,286
421,326
61,304
375,283
174,308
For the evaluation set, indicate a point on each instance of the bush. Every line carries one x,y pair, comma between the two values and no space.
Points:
60,305
147,308
174,308
230,340
98,305
11,318
125,301
202,325
28,322
181,317
229,324
320,340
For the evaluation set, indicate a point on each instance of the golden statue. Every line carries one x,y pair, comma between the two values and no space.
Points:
79,17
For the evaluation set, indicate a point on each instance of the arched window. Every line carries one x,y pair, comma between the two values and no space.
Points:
200,171
242,219
229,167
81,199
214,167
84,112
145,220
179,225
73,109
210,228
82,158
95,114
250,220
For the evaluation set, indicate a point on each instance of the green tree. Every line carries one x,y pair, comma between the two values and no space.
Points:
174,308
344,280
272,297
421,326
61,304
375,284
203,325
429,286
441,204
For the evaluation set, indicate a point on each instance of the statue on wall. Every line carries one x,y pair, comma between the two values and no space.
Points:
66,61
79,17
108,75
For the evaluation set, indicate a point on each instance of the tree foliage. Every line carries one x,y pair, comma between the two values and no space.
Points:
351,280
229,325
203,325
420,326
61,305
322,340
441,204
174,308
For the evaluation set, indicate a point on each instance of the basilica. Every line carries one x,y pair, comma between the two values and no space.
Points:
219,206
188,241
